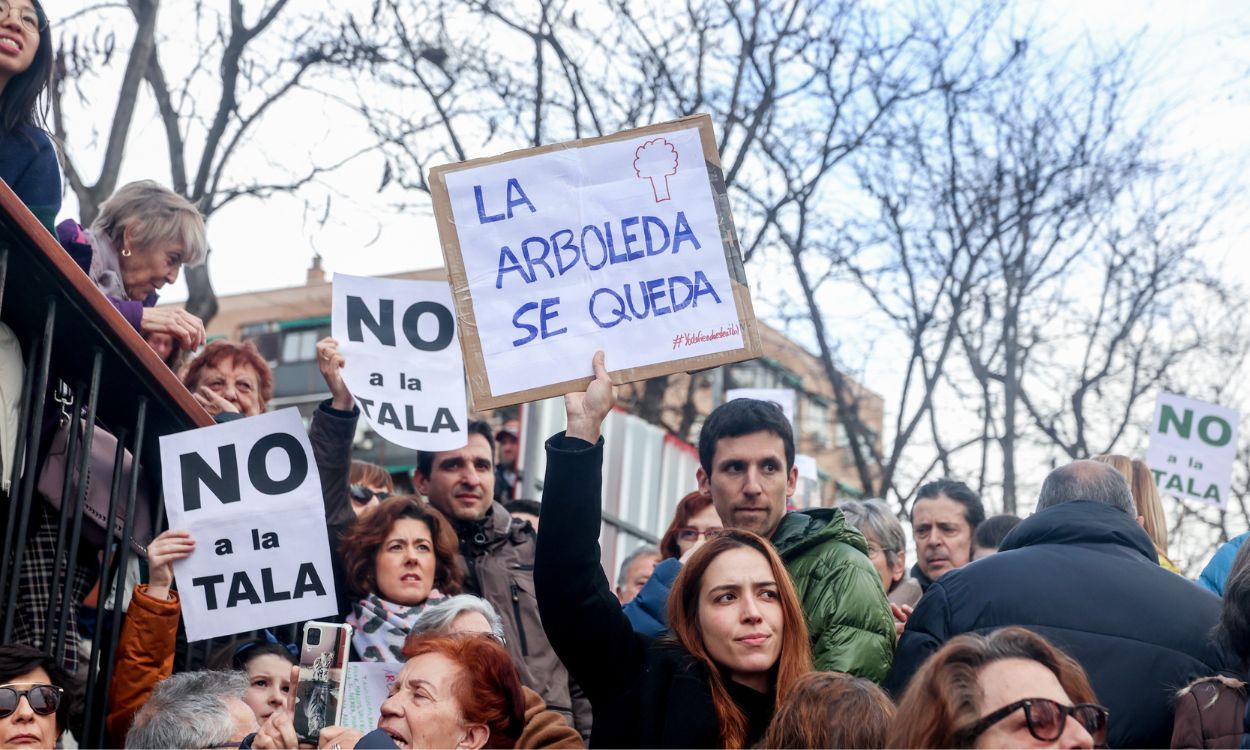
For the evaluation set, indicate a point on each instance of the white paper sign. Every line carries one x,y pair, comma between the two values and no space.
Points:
367,685
613,246
1192,448
783,397
404,365
807,467
249,493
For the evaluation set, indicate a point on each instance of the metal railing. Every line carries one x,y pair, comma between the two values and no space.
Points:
84,359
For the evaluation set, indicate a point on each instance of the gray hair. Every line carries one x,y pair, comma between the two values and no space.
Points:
643,549
438,616
153,213
874,517
1090,481
188,710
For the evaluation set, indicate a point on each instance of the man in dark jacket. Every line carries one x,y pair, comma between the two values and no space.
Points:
746,457
1081,572
498,554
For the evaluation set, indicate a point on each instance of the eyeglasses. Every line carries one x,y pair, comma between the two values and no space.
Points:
688,534
359,492
32,20
1046,719
43,699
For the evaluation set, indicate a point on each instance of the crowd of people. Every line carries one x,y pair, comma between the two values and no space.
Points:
747,625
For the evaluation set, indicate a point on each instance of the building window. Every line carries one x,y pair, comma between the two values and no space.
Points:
817,424
753,375
301,345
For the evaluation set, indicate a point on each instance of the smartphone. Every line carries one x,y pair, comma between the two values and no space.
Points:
322,678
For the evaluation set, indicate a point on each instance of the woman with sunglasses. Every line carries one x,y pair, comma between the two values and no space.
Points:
1008,689
368,485
38,699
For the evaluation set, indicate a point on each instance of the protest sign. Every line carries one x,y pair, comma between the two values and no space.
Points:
783,397
623,243
368,685
1192,448
249,493
403,363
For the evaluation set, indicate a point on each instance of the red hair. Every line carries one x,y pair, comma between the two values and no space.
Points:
795,659
240,354
688,507
488,688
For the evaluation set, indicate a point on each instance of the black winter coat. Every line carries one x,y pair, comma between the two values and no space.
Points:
1086,577
644,693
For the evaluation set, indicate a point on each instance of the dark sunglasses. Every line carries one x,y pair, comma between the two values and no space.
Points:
1046,719
43,699
363,494
687,534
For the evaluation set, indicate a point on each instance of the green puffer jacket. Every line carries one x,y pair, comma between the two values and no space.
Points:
848,617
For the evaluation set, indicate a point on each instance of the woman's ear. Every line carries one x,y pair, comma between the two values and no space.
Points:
899,568
128,236
474,737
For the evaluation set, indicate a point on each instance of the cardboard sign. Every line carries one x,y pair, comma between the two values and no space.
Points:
783,397
249,493
622,243
403,364
1192,448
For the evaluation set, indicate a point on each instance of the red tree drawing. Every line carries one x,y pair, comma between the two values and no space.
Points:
656,160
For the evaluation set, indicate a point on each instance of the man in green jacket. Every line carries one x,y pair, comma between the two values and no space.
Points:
746,457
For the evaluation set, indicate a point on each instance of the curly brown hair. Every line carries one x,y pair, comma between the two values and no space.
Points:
364,538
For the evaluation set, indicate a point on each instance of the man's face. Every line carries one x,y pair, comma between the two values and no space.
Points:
636,577
943,536
507,449
749,482
461,482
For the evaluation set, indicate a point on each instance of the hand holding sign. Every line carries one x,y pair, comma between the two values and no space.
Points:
331,363
172,545
585,412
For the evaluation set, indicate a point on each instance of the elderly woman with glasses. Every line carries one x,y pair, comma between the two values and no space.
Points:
37,697
1008,689
887,547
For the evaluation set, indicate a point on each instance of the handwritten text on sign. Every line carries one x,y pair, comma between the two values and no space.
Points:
403,361
1192,448
249,493
612,246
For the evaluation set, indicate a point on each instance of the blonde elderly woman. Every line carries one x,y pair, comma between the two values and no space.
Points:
145,233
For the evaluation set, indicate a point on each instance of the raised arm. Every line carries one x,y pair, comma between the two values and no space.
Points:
145,651
582,618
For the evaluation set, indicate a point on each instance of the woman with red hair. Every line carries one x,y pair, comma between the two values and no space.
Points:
230,378
455,691
694,522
